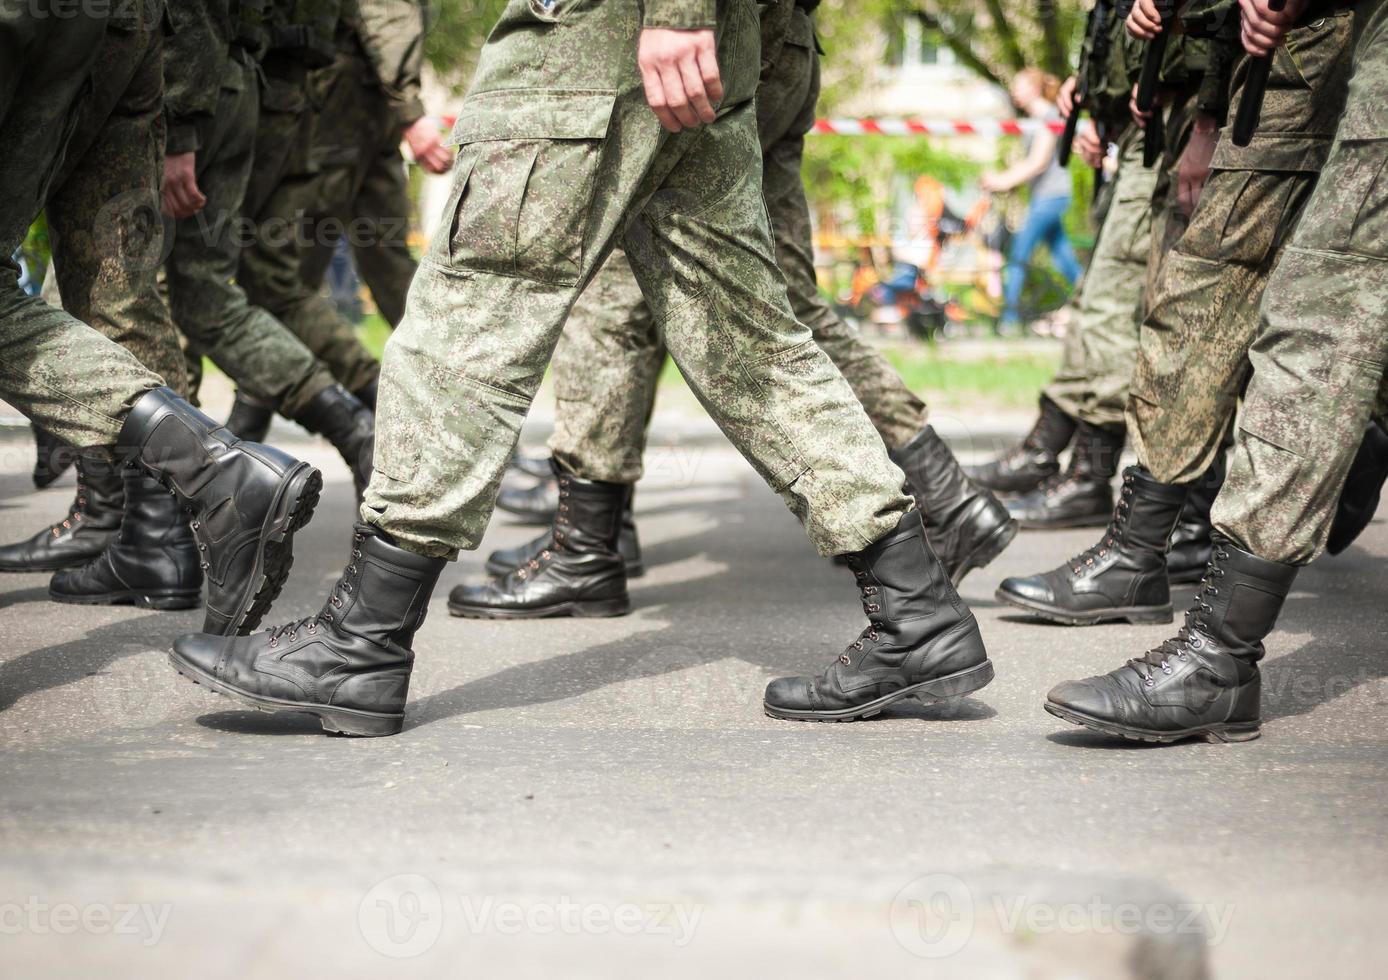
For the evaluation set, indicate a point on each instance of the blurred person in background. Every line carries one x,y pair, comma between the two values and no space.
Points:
1034,92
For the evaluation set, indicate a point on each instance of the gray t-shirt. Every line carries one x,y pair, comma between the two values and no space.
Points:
1054,181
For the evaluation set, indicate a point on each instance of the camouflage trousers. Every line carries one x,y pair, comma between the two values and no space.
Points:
104,222
1203,311
549,176
1101,345
1322,345
353,189
609,359
58,371
207,302
364,189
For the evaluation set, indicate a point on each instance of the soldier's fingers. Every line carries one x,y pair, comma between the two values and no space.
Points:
694,88
708,69
656,99
676,96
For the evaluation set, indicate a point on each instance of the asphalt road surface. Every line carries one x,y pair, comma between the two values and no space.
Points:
605,797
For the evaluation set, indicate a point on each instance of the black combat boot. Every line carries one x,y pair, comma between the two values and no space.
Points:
153,562
532,465
349,665
1121,577
338,416
1022,468
91,523
921,640
1360,496
246,501
1082,496
366,394
533,505
1192,539
967,527
52,457
581,575
1203,681
505,560
249,419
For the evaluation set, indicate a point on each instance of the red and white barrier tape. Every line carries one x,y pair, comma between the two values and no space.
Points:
910,126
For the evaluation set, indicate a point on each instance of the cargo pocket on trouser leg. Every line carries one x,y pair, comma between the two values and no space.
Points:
485,310
526,177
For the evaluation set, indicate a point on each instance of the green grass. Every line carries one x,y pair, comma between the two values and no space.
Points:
1007,379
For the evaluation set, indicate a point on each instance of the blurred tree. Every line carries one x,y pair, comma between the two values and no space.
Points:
991,38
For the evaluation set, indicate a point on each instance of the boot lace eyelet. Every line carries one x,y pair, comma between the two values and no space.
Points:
845,659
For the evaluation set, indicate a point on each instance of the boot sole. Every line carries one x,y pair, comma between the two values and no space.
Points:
293,509
342,721
589,608
927,692
1222,732
498,570
130,597
1137,615
988,549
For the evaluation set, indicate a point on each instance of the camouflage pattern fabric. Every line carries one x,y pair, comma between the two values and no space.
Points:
609,360
208,305
561,156
1193,346
1322,346
55,369
1101,345
104,222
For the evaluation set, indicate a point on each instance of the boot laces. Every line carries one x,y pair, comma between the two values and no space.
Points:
324,617
869,596
76,514
1191,635
1115,529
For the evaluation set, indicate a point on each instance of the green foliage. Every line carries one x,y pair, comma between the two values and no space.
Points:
457,31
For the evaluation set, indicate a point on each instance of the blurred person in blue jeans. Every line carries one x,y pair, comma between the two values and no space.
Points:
1033,91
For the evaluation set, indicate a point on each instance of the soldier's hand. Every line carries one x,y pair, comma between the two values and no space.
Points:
1144,20
679,70
1193,169
1140,117
426,145
1262,30
1065,98
180,197
1090,148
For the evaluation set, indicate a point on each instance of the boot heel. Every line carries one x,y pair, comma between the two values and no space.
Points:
955,685
598,608
361,725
